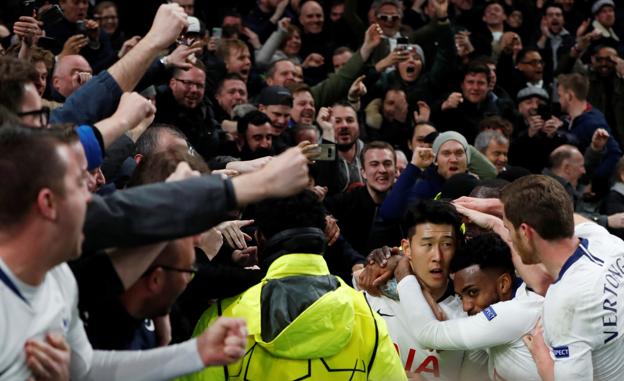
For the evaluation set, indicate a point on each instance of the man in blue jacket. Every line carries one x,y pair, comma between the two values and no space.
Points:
585,120
428,171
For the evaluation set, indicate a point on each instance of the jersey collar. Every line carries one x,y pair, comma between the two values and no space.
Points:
580,251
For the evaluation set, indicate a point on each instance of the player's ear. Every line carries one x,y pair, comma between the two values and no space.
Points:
504,284
405,247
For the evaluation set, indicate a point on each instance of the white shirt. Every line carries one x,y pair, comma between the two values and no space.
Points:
430,364
583,309
498,329
33,312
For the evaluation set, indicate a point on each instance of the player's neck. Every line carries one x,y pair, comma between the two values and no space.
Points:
554,254
437,293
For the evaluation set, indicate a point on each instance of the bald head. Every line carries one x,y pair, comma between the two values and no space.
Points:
311,17
66,78
566,161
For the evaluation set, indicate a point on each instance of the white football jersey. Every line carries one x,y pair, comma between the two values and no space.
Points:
498,329
583,309
430,364
28,312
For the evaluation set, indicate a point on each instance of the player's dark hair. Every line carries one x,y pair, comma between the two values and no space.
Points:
488,251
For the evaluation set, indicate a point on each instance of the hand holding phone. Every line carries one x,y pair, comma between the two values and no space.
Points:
324,152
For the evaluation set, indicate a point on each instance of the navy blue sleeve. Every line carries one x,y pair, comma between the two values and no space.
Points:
397,200
95,100
607,166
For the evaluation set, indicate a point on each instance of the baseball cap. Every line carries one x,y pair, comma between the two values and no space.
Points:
275,95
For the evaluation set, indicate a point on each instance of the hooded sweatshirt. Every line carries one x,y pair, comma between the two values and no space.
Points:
304,323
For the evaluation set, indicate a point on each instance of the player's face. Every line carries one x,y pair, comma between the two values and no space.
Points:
431,249
477,288
521,244
73,203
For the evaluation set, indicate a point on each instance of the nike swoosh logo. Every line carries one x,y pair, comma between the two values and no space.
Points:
149,325
382,314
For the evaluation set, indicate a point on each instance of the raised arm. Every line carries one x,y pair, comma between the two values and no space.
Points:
98,98
133,109
154,212
337,85
270,46
168,23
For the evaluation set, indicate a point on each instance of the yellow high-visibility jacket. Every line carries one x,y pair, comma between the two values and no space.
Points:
305,324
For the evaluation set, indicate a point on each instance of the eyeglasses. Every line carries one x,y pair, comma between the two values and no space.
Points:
388,18
192,271
534,62
199,86
44,115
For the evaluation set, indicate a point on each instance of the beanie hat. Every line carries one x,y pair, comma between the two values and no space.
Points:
450,135
530,92
419,51
91,145
601,3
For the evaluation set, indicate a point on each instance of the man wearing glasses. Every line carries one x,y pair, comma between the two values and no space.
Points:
125,322
388,14
529,71
183,105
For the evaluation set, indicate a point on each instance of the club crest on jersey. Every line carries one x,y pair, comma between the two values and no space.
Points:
489,313
561,352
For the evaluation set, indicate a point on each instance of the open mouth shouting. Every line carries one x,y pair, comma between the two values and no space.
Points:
437,274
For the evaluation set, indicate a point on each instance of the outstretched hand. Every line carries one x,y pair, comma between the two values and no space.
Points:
372,39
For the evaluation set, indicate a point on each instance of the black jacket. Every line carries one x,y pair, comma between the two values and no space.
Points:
356,213
198,123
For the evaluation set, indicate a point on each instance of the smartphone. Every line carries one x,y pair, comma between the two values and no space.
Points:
51,15
80,27
217,33
324,152
29,7
402,43
544,112
49,43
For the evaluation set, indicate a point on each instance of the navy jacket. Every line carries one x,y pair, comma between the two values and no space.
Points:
583,128
413,185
